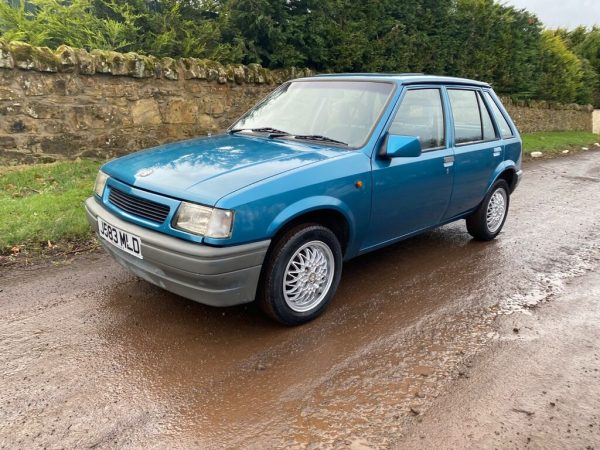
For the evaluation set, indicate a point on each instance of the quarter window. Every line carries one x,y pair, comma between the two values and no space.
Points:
505,130
421,114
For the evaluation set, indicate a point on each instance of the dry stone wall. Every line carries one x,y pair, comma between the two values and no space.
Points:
72,103
69,103
533,116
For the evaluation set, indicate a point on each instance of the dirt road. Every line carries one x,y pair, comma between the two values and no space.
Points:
92,357
536,387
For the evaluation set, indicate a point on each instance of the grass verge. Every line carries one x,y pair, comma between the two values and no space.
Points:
557,141
42,205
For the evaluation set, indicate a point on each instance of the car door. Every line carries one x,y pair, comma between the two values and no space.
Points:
412,193
477,148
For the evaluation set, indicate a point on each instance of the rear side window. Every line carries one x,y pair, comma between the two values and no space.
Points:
467,119
489,134
503,126
421,114
472,120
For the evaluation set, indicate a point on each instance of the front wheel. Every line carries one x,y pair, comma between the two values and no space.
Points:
486,222
301,274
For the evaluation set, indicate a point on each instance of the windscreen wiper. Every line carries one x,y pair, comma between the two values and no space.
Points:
318,137
270,130
274,132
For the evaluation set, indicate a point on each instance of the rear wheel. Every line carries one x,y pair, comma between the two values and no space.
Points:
301,274
488,219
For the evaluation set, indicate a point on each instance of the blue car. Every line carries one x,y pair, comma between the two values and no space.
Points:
322,170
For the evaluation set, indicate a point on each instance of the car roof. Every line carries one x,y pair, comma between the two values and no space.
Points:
402,78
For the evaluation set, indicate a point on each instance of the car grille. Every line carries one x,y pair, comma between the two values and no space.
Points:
137,206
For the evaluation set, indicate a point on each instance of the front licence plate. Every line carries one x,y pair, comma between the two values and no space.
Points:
122,239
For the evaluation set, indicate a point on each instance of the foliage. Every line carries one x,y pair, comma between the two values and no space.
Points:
482,39
44,202
53,22
586,44
496,43
561,70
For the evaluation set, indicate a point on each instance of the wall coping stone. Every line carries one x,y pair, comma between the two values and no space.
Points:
544,104
65,59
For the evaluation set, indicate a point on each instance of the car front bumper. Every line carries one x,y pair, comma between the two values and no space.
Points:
216,276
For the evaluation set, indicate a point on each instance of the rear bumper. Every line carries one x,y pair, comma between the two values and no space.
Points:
518,178
217,276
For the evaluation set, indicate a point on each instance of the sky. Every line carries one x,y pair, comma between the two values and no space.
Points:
562,13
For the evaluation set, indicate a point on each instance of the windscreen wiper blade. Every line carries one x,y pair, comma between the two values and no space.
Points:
270,130
274,132
318,137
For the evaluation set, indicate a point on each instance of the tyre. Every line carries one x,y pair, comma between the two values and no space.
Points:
301,274
488,219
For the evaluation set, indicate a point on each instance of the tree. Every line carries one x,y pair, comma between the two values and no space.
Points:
480,39
561,70
586,45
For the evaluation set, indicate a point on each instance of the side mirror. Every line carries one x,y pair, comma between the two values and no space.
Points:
402,146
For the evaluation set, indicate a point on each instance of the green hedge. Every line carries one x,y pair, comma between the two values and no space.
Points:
479,39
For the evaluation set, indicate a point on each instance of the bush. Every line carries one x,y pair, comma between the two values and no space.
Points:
76,23
472,38
562,72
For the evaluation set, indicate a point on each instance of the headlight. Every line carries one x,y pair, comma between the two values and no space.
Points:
100,183
205,221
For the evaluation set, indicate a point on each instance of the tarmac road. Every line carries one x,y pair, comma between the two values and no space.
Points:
93,357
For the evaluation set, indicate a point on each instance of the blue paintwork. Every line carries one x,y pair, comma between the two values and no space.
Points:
205,169
402,146
270,181
409,194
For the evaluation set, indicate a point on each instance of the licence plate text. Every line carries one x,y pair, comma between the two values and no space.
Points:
122,239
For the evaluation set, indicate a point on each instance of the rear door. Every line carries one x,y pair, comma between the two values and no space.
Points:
512,146
477,148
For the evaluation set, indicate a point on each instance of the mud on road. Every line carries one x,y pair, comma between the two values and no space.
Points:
537,386
93,357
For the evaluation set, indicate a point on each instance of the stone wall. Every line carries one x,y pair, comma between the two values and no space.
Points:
72,103
532,116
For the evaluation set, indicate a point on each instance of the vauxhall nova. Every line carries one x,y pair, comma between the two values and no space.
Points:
322,170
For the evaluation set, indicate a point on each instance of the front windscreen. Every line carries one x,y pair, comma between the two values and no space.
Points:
344,111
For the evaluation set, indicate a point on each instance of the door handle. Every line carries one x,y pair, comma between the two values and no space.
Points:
448,160
497,151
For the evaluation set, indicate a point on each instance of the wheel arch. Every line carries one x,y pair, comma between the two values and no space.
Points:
326,211
506,171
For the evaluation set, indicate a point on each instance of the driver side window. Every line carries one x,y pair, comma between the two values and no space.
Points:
421,114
